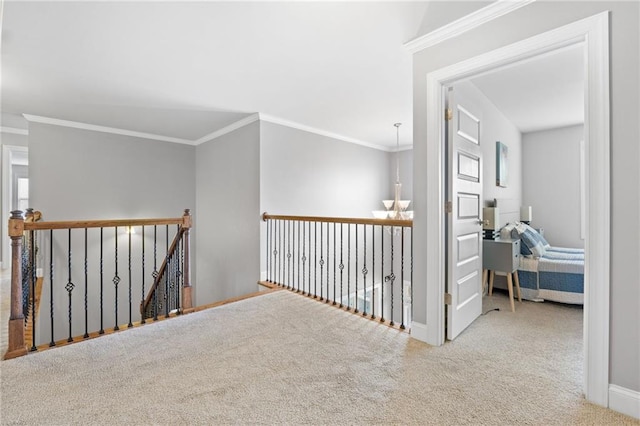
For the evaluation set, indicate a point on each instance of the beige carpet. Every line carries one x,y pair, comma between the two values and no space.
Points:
285,359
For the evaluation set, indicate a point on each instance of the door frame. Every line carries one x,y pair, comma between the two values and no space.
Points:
8,152
593,34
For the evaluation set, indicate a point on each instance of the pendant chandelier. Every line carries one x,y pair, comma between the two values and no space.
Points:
396,208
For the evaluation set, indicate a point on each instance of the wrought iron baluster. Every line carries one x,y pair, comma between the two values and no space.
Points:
86,286
26,276
348,267
143,315
52,342
293,256
181,275
304,257
167,275
392,277
298,257
365,271
288,254
382,278
356,274
266,265
33,289
321,261
155,272
280,260
276,252
315,260
309,292
327,298
69,287
130,324
373,270
101,282
402,326
341,266
116,280
334,263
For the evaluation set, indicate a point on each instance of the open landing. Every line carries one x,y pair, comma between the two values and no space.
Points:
284,359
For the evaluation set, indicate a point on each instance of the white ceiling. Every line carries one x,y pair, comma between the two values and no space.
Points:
541,93
187,69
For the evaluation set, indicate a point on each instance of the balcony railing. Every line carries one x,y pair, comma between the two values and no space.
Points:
362,265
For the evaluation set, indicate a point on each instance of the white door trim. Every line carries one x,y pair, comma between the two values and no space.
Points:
593,32
7,153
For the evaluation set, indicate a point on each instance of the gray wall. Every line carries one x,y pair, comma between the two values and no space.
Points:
552,183
81,174
228,215
13,139
304,173
439,12
528,21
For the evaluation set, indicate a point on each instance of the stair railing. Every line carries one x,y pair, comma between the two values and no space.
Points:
164,295
98,273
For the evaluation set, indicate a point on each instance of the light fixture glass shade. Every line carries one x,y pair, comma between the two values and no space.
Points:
525,214
396,208
403,204
407,214
380,214
388,204
491,218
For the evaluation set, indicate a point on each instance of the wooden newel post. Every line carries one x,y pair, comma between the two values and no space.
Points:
187,302
16,343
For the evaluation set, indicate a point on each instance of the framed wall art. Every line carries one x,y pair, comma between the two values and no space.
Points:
502,155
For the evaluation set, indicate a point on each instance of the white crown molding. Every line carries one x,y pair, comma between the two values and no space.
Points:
103,129
14,131
305,128
228,129
209,137
466,23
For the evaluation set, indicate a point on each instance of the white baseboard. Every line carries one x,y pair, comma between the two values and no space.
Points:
39,272
419,331
625,401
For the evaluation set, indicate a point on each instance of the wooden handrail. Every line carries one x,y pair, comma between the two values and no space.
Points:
73,224
407,223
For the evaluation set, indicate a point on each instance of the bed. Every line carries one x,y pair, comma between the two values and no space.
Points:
547,272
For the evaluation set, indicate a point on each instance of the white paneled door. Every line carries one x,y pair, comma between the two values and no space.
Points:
464,221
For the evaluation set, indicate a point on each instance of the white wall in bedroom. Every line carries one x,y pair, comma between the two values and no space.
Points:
552,183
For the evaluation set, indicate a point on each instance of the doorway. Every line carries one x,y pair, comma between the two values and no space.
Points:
15,190
594,33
